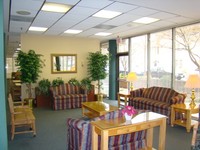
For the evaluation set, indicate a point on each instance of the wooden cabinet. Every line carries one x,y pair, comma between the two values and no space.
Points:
16,90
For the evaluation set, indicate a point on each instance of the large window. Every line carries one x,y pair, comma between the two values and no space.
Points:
161,59
187,56
138,60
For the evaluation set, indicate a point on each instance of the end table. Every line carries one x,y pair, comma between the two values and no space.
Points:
185,109
122,95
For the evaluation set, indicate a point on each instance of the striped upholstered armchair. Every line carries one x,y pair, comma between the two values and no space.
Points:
79,135
67,96
156,99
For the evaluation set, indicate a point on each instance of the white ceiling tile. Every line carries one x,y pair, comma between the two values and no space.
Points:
84,11
120,7
163,15
141,11
16,26
46,19
122,19
25,5
94,3
180,20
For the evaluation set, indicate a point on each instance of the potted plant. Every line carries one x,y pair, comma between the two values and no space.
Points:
97,63
86,83
73,81
43,86
30,65
57,82
42,93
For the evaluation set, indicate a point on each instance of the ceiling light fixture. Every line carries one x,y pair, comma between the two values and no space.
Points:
70,31
54,7
146,20
41,29
103,34
107,14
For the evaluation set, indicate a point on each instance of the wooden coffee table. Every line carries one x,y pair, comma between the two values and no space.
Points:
118,126
95,109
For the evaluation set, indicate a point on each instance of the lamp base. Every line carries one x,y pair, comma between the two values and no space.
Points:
192,103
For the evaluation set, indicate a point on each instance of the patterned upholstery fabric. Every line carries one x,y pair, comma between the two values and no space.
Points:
67,96
79,135
196,145
196,135
156,99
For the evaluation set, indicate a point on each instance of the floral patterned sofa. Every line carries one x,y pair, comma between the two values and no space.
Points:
156,99
79,135
67,96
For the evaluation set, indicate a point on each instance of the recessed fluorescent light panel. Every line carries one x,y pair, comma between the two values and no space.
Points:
41,29
54,7
70,31
107,14
146,20
103,34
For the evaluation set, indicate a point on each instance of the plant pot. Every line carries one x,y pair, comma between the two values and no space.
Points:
43,101
100,97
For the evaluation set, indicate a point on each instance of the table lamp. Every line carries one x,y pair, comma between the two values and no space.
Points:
131,78
193,82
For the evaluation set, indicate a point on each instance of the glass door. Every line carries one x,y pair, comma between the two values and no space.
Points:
123,70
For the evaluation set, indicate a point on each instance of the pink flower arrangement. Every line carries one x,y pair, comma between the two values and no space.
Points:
130,110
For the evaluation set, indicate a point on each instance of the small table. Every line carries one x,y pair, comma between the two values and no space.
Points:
96,108
147,120
125,96
187,111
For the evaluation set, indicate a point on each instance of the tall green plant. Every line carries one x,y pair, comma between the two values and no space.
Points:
30,65
97,63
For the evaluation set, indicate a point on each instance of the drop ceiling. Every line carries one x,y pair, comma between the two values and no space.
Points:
172,13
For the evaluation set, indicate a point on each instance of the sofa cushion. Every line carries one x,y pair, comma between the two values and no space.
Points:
69,101
159,93
72,89
58,90
149,104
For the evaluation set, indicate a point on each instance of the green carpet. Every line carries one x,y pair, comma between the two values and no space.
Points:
52,132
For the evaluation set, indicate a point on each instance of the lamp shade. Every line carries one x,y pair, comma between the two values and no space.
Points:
193,81
131,77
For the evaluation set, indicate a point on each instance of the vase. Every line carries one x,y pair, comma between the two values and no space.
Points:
127,117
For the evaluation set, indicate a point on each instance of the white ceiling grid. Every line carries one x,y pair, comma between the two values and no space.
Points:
171,14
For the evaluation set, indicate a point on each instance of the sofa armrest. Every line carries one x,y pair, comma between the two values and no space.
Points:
137,92
180,98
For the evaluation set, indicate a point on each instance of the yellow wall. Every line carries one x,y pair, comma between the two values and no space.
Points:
46,45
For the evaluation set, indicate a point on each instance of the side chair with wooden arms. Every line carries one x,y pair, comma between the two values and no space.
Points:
21,116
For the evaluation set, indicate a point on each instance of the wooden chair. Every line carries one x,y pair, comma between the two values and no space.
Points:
21,116
195,143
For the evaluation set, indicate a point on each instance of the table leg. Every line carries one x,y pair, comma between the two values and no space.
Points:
162,135
94,139
125,99
104,140
150,137
188,120
172,116
118,98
